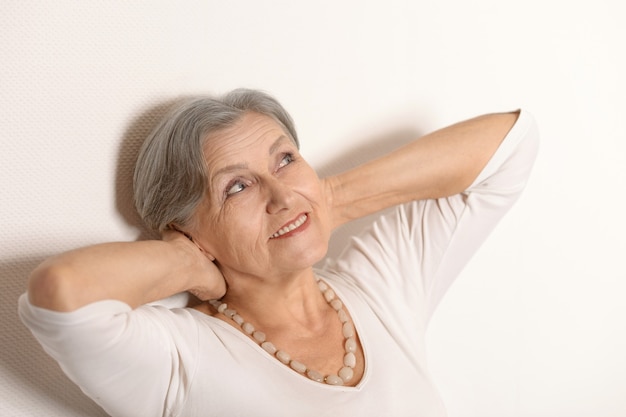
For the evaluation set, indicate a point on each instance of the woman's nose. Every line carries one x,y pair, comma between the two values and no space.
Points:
279,196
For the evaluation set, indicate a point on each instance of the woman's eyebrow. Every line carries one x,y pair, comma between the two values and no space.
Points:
277,143
229,168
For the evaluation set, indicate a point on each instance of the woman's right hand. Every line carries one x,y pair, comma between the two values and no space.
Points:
206,281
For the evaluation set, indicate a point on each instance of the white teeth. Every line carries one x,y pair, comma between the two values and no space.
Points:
292,226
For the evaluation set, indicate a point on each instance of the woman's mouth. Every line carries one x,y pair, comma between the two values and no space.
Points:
291,226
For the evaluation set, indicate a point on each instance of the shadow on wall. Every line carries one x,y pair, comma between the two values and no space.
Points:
369,149
34,376
31,376
132,140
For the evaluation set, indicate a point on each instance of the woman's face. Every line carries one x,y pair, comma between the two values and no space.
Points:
265,213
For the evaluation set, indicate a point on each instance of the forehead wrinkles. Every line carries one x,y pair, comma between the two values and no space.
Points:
234,145
234,140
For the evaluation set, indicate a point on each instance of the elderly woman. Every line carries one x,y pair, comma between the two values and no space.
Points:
244,219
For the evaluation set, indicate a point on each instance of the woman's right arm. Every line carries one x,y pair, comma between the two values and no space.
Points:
135,273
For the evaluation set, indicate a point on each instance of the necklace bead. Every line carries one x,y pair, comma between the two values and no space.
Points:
298,366
283,357
258,336
269,347
314,375
333,380
348,330
345,374
350,345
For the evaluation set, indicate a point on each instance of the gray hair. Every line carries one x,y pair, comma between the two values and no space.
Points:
171,174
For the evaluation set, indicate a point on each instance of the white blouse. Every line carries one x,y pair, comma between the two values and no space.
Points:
157,361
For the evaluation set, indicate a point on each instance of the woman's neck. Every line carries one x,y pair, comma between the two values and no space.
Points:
293,299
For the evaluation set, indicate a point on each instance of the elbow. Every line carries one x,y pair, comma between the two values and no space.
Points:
49,287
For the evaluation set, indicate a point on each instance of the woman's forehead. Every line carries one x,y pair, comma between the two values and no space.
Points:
251,134
249,130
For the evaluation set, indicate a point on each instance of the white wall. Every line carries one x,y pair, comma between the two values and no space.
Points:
535,326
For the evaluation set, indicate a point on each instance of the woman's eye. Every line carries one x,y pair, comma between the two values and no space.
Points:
235,188
287,159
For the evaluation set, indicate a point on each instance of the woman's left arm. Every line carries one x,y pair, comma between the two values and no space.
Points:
439,164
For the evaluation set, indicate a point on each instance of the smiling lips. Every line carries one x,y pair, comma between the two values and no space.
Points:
290,227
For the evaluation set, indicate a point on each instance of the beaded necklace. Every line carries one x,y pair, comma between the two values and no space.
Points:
345,374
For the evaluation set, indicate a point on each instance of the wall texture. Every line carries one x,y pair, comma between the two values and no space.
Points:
536,324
